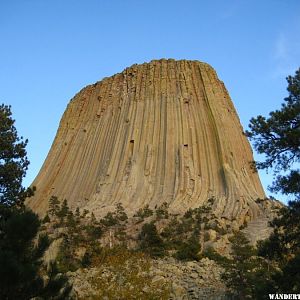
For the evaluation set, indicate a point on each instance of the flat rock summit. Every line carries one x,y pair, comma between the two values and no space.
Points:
163,131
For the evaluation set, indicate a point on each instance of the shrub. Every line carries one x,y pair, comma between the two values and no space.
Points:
162,211
127,276
189,250
144,212
214,255
150,241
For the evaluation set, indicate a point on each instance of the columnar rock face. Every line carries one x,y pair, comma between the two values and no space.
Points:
164,131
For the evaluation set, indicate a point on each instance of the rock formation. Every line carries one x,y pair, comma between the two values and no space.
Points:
164,131
186,280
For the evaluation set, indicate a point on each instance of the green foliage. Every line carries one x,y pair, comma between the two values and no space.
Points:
115,218
13,160
84,213
150,241
20,255
71,221
162,211
246,275
144,212
185,226
93,231
283,248
120,213
189,250
284,242
46,219
64,210
56,285
86,260
176,232
179,231
127,276
278,138
77,213
54,206
213,255
288,279
77,232
241,248
109,220
67,260
21,258
201,213
182,233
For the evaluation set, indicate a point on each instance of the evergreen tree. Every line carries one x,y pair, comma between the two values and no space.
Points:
190,249
283,249
64,209
150,241
278,138
20,257
120,212
246,275
13,160
54,206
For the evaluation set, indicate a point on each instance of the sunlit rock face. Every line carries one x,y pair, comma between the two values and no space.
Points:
164,131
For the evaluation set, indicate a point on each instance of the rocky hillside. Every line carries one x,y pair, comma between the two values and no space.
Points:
167,278
153,254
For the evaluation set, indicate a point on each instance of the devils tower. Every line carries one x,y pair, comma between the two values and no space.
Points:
164,131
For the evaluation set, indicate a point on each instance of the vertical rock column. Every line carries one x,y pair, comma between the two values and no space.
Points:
164,131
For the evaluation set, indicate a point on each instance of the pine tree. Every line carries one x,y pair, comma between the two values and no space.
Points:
64,209
13,160
54,206
20,257
246,275
278,138
150,241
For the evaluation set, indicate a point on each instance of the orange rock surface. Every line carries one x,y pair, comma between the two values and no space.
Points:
164,131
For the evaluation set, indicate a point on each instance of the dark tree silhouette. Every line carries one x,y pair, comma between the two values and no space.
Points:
20,257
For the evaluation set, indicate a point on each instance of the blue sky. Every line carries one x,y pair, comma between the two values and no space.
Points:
49,50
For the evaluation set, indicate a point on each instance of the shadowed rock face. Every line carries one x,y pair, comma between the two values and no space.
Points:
164,131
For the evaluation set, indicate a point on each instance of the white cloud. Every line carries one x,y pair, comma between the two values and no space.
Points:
286,52
281,48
